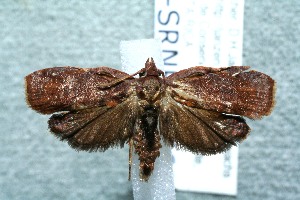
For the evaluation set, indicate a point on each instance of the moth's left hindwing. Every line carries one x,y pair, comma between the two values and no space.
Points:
97,128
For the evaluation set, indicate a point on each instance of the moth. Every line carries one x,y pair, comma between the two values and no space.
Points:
199,109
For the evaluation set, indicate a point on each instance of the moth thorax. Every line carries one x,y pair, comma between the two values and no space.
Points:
150,89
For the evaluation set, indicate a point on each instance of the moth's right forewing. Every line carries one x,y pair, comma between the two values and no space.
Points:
70,88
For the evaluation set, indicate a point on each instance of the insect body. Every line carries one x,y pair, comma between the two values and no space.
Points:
197,109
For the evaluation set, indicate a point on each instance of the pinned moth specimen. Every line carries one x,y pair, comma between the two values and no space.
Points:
198,109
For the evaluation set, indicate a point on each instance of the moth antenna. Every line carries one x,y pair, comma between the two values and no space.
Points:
116,82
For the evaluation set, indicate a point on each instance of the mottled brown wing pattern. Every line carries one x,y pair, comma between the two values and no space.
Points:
197,109
96,100
225,90
97,128
199,130
71,88
200,108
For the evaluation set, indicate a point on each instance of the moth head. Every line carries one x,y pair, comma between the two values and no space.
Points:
150,69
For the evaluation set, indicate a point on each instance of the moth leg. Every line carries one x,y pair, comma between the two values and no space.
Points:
130,142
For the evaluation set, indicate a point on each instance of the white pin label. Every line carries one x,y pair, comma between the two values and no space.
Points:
207,33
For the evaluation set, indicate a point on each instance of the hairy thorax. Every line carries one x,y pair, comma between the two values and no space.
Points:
149,89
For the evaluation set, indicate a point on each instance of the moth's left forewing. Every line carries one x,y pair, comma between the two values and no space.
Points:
227,90
71,88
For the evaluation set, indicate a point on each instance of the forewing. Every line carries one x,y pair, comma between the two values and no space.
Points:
71,88
97,128
226,90
198,130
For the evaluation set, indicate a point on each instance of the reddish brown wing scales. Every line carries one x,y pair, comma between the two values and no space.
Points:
192,113
95,99
225,90
97,128
70,88
198,130
195,109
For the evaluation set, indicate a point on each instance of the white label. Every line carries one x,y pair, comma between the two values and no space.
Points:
206,33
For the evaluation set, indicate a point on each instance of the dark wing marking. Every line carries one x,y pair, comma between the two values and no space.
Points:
71,88
226,90
97,128
198,130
